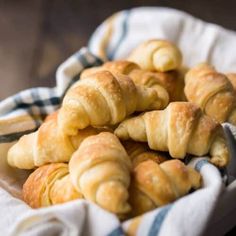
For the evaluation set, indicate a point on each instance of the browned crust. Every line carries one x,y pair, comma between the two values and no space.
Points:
140,152
64,191
35,184
154,185
210,90
232,79
117,67
152,180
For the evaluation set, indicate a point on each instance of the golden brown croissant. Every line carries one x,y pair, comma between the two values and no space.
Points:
49,185
139,152
172,81
100,170
139,77
212,92
159,55
103,99
155,185
232,79
46,145
179,129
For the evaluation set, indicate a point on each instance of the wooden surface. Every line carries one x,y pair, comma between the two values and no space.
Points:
37,35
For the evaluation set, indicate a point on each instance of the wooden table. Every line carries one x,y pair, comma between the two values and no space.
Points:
37,35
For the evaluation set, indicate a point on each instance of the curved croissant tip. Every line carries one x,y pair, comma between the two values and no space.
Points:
164,62
121,132
157,104
10,157
219,161
17,157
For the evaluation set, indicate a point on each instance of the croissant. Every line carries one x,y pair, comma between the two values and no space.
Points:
173,82
46,145
49,185
100,170
103,99
155,185
232,79
212,92
160,55
179,129
139,77
139,152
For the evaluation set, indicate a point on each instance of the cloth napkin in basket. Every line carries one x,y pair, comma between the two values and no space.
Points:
202,212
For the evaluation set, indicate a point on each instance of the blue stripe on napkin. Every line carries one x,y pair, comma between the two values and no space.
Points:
123,34
117,232
20,104
81,56
8,138
158,220
35,102
35,93
200,164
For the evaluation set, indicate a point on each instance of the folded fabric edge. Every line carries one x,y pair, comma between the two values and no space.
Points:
106,39
36,103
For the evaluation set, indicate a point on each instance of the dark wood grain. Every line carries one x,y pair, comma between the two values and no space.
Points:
37,35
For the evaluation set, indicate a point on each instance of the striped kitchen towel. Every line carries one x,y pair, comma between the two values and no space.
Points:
201,211
24,112
199,41
186,216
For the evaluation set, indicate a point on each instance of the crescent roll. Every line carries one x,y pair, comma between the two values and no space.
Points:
100,170
139,77
103,99
49,185
232,79
139,152
212,91
154,185
46,145
159,55
179,129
